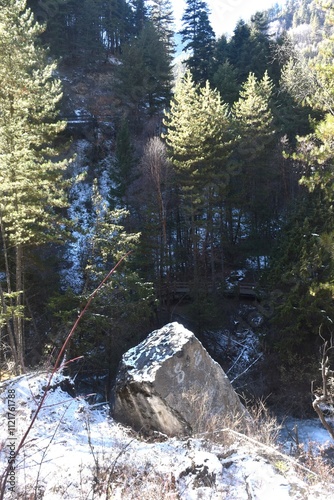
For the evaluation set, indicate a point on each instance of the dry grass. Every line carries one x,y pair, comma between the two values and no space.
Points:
261,431
221,428
262,426
147,484
316,459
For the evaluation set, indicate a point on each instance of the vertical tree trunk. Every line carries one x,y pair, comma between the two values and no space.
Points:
194,240
18,328
9,329
9,322
211,237
222,261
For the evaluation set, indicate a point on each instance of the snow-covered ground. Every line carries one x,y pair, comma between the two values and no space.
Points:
305,432
75,451
81,215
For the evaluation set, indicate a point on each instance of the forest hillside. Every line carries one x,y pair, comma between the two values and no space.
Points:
137,190
214,188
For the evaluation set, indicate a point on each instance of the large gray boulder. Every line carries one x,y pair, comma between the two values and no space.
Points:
169,383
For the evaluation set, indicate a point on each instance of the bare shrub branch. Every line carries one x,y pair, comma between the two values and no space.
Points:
325,398
57,366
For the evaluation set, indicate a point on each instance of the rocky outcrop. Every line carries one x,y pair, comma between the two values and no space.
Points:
169,383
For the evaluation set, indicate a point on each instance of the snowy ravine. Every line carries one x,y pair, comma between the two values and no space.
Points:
80,214
75,451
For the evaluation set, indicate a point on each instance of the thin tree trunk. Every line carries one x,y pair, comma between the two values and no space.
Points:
211,239
194,239
9,329
11,334
18,330
222,262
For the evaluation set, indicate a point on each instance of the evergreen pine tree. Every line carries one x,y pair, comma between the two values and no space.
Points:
163,20
311,82
251,51
239,47
302,269
303,265
221,52
117,22
225,80
199,39
31,179
199,142
260,60
220,55
139,15
145,75
255,143
74,29
122,175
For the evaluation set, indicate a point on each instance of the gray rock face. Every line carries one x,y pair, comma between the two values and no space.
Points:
169,383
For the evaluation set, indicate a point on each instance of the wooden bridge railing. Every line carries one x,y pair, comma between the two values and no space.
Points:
247,290
177,289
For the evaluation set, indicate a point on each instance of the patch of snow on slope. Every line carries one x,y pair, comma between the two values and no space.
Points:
81,216
80,196
302,432
75,452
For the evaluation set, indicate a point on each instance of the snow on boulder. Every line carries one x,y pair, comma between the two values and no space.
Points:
169,383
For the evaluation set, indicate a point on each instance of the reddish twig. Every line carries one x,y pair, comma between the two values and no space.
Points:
57,366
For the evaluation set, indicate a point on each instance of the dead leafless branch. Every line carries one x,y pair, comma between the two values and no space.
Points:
325,398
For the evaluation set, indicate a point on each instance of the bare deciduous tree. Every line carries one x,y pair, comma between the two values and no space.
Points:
324,397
